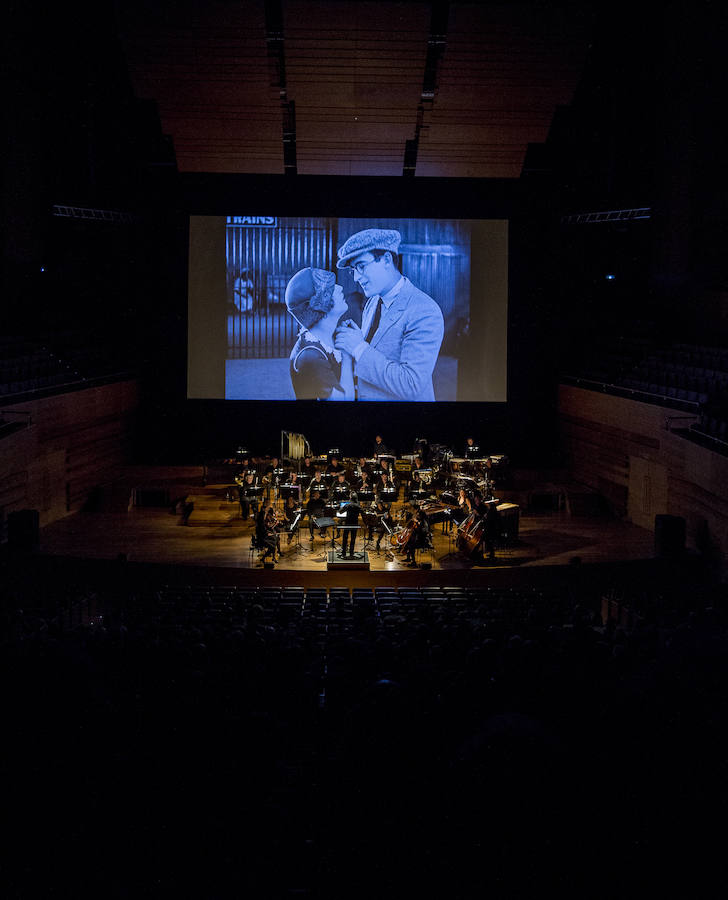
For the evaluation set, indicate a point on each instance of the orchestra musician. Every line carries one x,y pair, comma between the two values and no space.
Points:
334,467
248,496
293,482
385,486
387,469
477,505
314,510
422,450
266,534
420,530
290,512
363,466
270,469
245,468
365,484
340,488
307,467
415,482
379,447
383,517
270,476
318,484
350,513
461,513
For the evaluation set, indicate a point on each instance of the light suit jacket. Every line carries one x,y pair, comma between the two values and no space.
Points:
401,356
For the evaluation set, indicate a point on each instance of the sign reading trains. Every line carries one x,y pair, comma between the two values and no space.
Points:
253,221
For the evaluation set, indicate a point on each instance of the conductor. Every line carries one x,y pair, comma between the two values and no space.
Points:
350,513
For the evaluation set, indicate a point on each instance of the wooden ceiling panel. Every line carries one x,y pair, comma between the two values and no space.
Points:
505,69
356,71
206,66
357,18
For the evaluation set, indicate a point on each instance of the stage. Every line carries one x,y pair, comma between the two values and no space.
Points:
116,529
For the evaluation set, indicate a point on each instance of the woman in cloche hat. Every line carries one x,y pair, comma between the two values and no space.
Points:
318,370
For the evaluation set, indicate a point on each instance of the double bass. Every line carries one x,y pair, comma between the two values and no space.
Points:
470,534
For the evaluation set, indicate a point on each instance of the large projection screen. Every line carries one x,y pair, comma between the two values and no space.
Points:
442,332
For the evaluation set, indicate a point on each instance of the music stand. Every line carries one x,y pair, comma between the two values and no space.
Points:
368,542
251,495
296,531
322,522
387,529
452,540
388,555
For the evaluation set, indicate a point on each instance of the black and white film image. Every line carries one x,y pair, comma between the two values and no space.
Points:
347,309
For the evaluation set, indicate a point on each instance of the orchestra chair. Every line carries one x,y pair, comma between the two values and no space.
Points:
424,551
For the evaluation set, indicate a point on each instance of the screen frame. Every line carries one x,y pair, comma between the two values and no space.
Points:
483,352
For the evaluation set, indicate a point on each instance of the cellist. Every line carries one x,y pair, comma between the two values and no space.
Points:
418,538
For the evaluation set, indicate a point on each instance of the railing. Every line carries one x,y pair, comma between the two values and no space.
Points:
619,390
33,389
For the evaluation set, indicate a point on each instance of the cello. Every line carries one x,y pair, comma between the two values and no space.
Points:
400,539
470,534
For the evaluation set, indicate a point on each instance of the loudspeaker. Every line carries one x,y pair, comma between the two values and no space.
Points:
669,535
23,530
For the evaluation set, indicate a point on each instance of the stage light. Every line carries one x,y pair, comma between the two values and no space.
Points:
610,277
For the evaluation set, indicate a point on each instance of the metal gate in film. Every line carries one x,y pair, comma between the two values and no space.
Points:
261,258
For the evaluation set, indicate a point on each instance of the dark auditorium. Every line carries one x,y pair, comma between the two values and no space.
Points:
364,449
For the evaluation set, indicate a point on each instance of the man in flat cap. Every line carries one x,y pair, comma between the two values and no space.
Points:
396,348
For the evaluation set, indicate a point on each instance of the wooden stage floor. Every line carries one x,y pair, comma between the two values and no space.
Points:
156,535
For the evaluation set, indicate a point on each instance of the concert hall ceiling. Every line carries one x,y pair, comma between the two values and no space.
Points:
341,87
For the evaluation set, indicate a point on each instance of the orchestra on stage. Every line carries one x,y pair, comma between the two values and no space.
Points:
379,501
